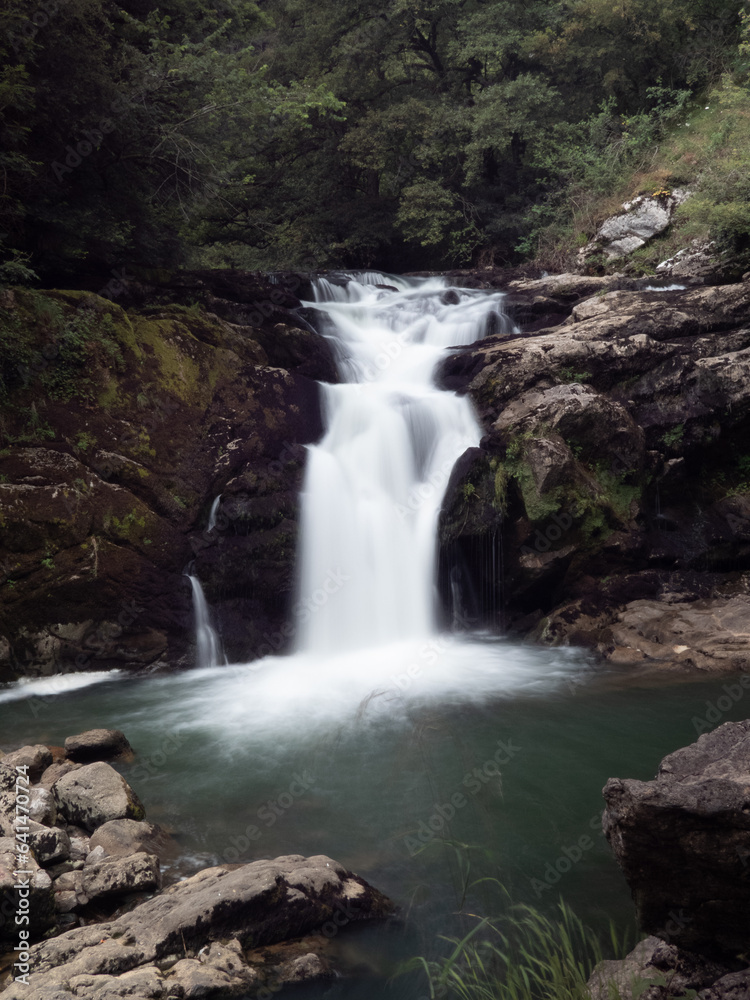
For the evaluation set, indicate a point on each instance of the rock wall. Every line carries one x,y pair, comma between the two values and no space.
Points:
121,422
609,502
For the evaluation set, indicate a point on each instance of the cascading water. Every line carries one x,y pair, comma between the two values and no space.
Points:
206,639
375,483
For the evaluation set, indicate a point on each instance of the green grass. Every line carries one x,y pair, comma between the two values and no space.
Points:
523,955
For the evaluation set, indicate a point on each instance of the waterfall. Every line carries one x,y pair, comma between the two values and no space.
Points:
207,641
375,483
212,513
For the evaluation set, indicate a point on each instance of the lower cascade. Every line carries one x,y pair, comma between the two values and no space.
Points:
375,483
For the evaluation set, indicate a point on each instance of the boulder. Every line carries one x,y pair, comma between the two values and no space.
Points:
640,220
683,842
122,837
56,771
97,744
110,878
206,920
42,806
37,758
95,794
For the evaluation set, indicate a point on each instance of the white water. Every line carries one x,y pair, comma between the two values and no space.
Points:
212,513
375,483
206,639
364,623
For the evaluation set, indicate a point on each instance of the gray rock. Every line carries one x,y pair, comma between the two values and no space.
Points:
257,904
56,771
682,842
96,794
106,880
121,837
50,844
97,744
37,758
641,219
42,806
121,876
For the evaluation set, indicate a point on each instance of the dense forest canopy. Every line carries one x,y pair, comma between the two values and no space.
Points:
284,133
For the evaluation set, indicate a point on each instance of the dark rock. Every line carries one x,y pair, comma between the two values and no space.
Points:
95,794
55,771
682,842
97,744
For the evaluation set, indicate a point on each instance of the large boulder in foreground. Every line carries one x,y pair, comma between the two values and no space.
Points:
95,794
683,843
191,939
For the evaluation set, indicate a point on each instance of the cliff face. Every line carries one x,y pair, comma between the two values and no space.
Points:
121,423
613,483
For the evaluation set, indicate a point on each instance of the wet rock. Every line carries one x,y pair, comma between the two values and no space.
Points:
97,744
682,843
95,794
255,904
37,758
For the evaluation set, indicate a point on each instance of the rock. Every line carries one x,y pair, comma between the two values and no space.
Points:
122,837
95,794
682,842
37,759
56,771
641,219
117,877
80,843
97,744
50,844
656,970
40,902
255,904
42,806
697,261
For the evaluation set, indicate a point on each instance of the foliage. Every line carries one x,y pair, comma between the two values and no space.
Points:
401,133
524,955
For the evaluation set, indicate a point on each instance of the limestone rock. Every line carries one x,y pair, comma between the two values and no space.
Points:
255,904
95,794
640,220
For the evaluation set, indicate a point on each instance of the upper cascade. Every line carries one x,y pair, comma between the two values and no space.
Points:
375,483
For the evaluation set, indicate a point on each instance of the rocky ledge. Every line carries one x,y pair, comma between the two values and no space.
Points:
95,882
683,843
613,481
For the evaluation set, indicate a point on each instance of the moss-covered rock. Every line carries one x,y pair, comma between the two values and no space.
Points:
119,427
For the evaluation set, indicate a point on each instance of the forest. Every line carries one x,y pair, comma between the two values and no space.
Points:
399,134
